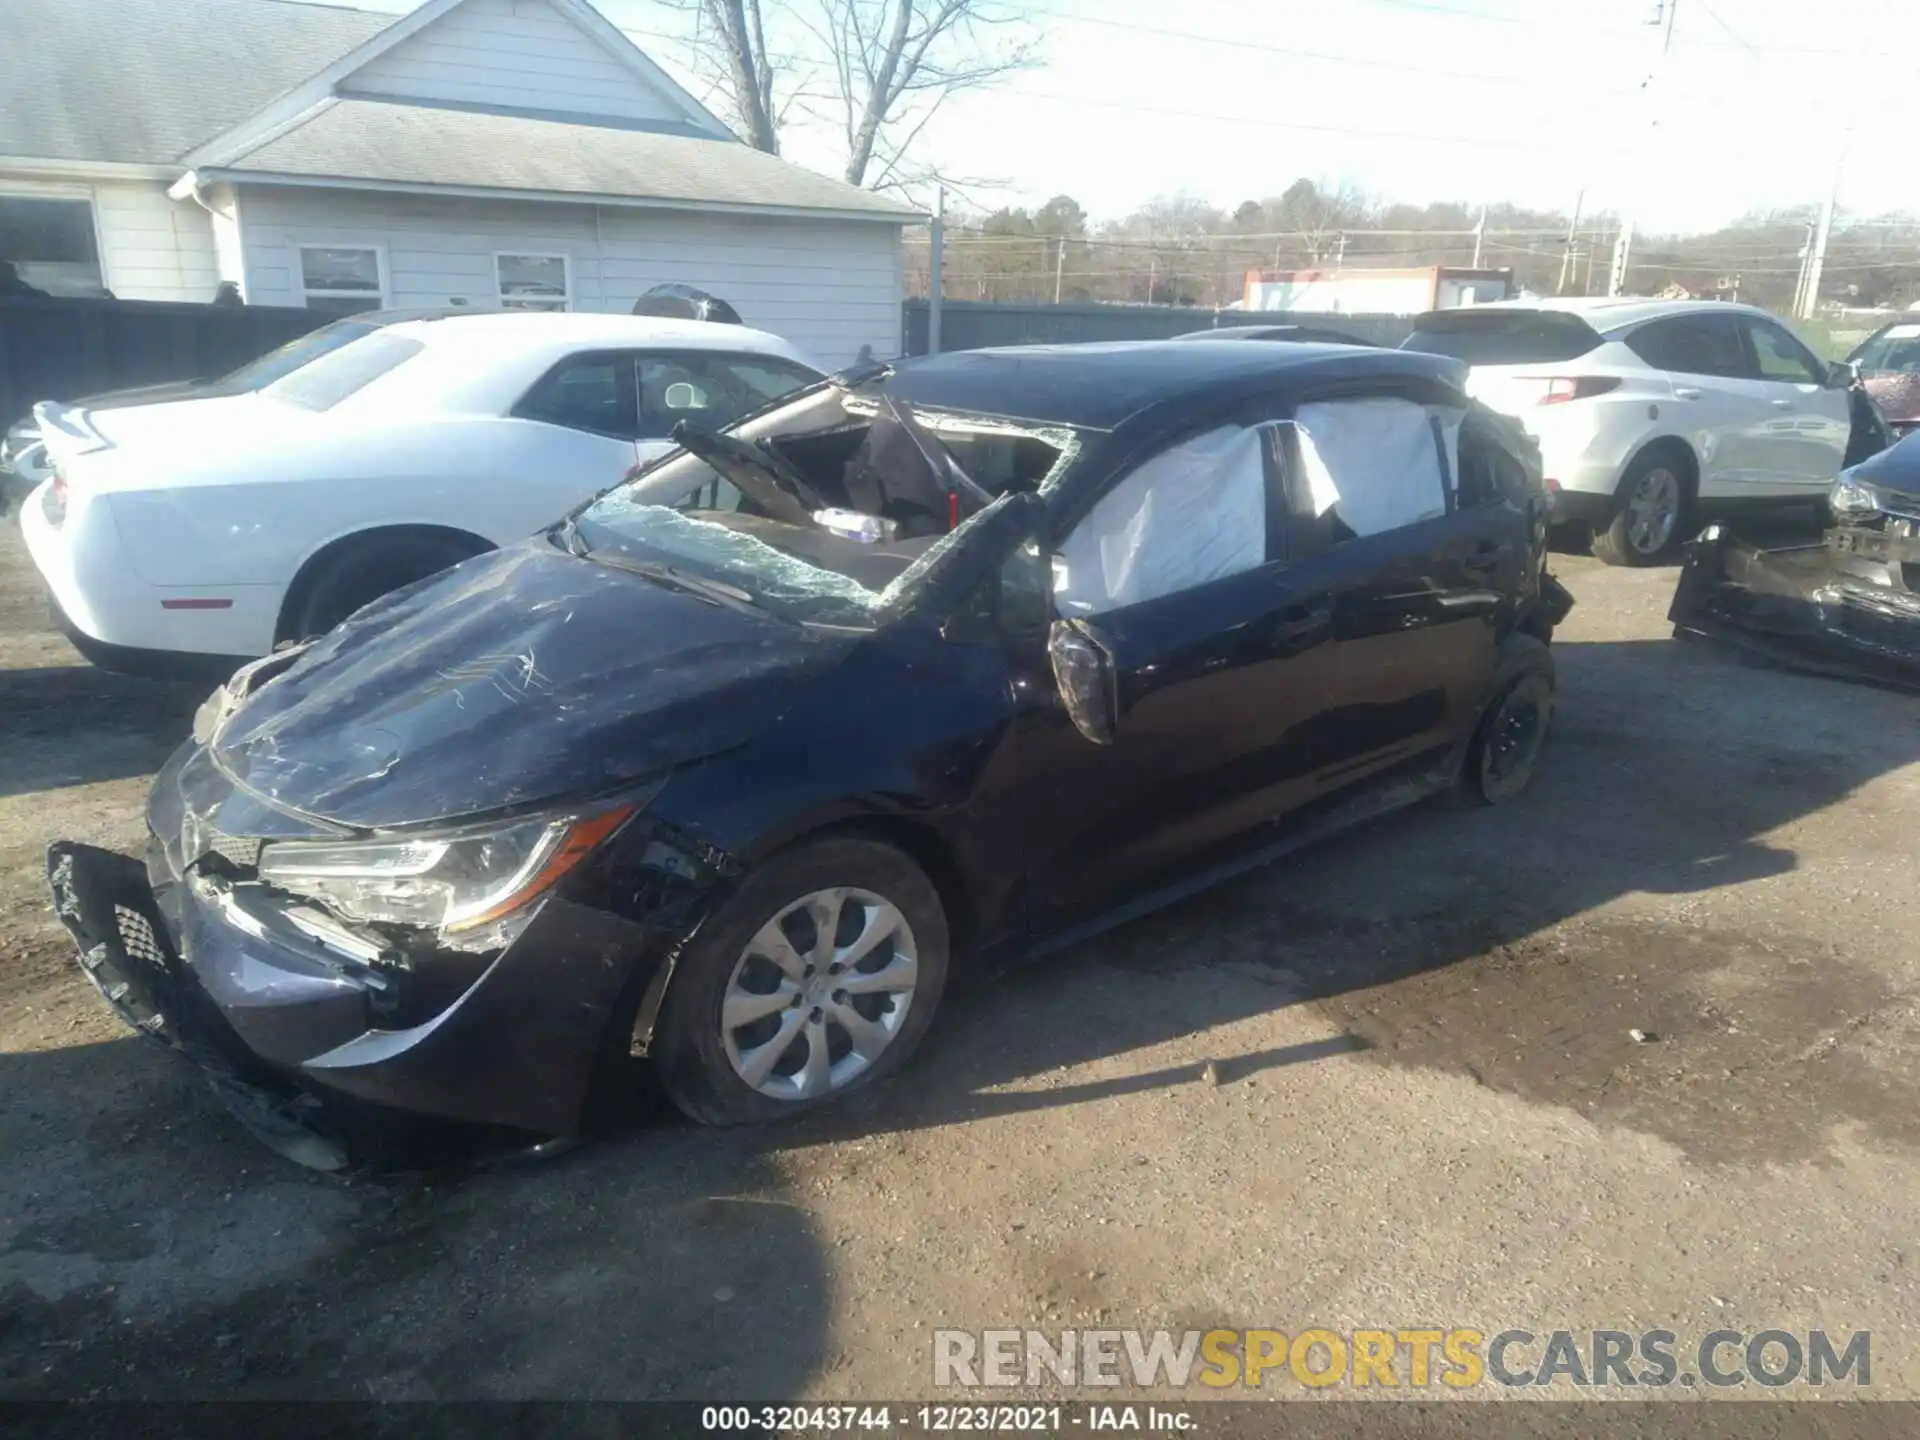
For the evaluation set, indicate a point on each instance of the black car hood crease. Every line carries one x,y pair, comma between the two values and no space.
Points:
523,676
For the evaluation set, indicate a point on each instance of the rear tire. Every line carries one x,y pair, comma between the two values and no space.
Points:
743,1039
365,572
1655,506
1506,744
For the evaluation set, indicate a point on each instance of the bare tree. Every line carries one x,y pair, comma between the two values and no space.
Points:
898,61
889,66
734,34
1318,214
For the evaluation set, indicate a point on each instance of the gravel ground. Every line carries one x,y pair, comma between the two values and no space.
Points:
1424,1106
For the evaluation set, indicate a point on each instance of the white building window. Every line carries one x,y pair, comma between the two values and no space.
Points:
49,242
534,282
343,279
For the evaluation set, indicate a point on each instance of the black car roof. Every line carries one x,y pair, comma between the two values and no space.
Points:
1101,386
1296,333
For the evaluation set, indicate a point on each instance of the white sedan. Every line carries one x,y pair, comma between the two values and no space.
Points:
186,537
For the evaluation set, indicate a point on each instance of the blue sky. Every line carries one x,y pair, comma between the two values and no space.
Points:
1524,100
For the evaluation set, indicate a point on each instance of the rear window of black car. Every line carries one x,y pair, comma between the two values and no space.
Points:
1503,337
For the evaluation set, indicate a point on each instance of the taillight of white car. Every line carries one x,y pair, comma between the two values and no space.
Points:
1542,390
54,503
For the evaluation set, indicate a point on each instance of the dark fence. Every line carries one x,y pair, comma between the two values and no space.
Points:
975,324
64,349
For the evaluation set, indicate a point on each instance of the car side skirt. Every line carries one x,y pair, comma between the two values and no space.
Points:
1406,784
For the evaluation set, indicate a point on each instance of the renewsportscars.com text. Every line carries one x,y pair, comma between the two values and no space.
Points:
1412,1358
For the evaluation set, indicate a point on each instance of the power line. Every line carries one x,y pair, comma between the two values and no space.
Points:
1234,42
1498,142
1557,22
1490,16
1266,122
1726,29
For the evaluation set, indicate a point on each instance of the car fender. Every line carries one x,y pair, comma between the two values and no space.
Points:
1698,452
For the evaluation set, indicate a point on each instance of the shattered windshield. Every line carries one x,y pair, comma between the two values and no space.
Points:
822,510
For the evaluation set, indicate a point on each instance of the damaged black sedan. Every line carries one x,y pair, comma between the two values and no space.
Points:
1846,605
732,768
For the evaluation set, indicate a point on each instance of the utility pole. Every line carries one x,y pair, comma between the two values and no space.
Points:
1569,256
1799,305
1059,269
936,277
1817,250
1153,274
1663,15
1479,235
1817,258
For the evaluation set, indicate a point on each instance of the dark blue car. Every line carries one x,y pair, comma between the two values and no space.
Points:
734,768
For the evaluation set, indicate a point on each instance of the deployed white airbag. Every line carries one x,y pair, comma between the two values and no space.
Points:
1373,463
1194,513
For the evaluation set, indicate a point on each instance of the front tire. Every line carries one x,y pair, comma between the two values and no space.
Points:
818,976
1506,745
1655,501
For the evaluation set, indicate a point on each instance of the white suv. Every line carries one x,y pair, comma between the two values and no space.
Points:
1652,414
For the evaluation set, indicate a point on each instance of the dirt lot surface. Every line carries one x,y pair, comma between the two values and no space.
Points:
1424,1104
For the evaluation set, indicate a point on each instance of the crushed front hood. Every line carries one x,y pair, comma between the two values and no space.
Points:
522,676
1838,608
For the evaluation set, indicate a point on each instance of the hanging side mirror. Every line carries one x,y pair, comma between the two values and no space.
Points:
1840,374
1083,671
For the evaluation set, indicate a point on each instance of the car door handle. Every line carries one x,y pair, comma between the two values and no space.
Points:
1781,404
1685,392
1298,620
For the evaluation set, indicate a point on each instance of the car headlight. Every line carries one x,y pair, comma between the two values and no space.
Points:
1852,499
456,882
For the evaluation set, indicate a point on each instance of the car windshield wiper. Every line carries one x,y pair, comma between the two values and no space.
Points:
716,591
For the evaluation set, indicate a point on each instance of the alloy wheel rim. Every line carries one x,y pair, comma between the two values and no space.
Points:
819,994
1653,510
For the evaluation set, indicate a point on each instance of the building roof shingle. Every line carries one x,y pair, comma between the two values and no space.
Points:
410,144
145,81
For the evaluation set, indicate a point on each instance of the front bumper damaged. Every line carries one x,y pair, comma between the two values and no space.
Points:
125,950
1845,607
331,1059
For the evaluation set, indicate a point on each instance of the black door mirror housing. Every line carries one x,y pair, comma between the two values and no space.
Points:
1083,670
